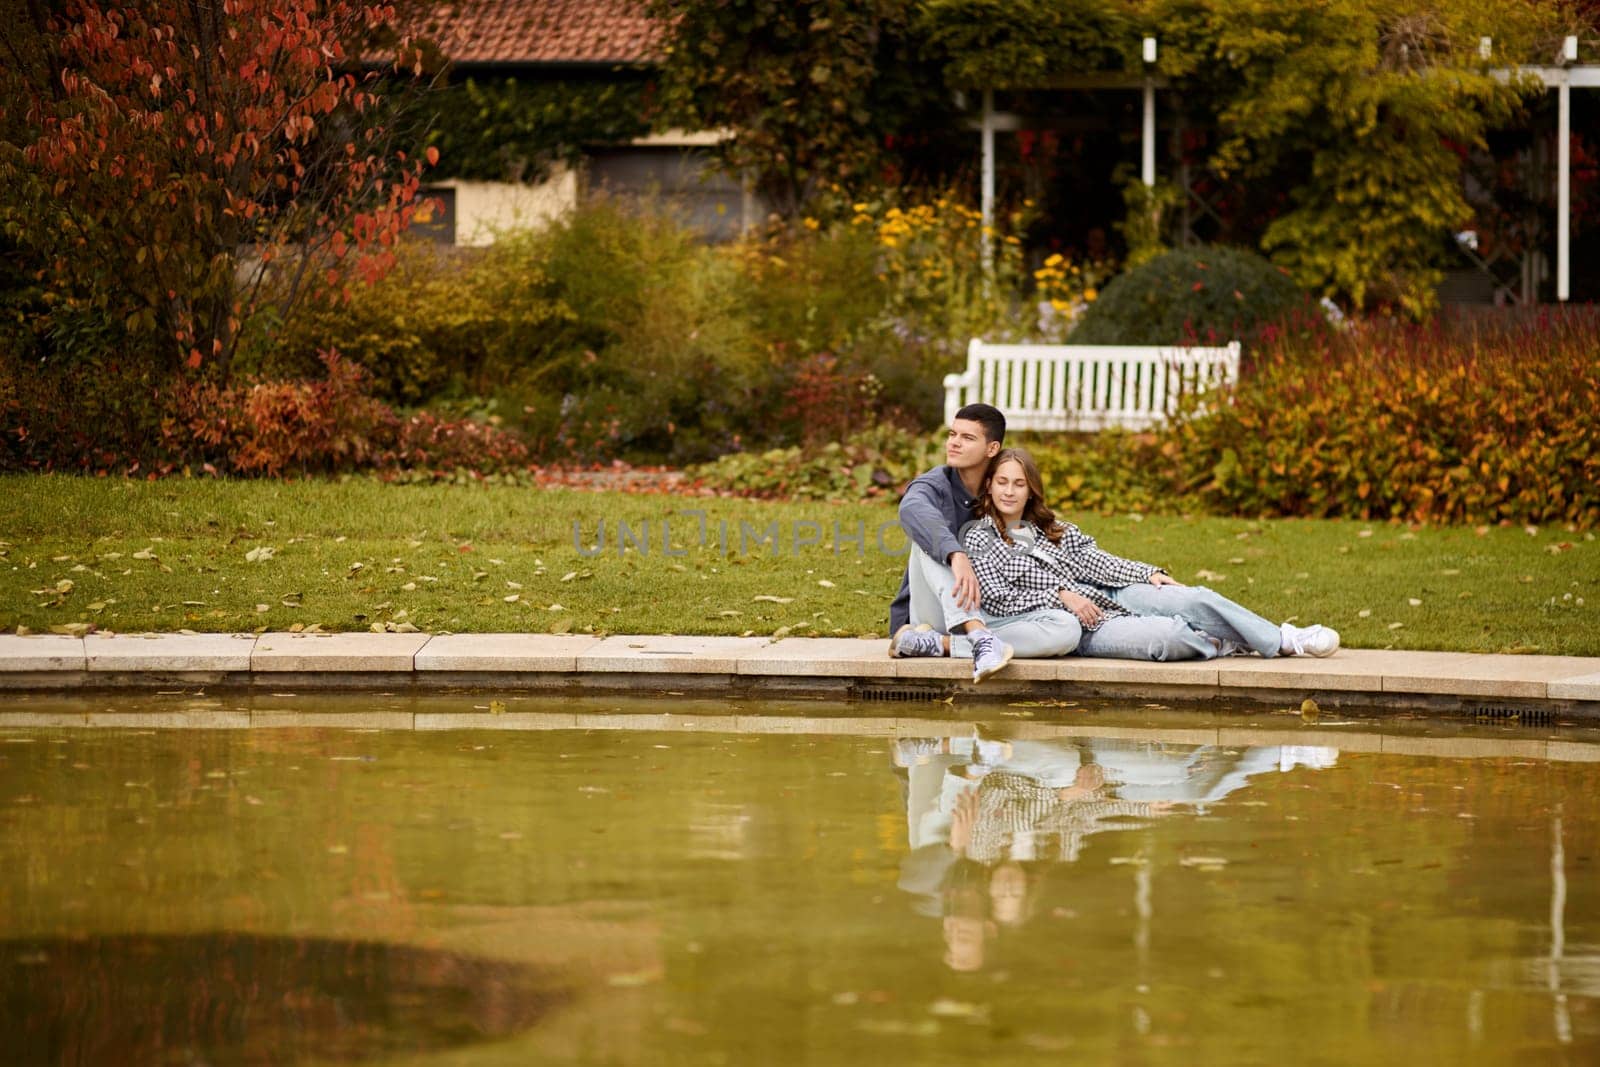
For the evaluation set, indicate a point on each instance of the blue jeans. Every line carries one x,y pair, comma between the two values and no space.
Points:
1156,637
1204,609
1031,635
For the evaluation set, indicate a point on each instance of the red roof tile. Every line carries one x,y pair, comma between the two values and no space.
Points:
545,31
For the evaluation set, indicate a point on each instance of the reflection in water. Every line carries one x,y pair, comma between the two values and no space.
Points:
725,892
987,818
235,998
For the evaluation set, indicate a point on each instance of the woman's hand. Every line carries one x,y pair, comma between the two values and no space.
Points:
1086,610
1160,578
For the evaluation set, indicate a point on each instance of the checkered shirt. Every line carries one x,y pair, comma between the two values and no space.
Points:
1016,577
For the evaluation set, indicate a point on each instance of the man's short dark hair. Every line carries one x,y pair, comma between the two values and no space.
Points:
989,417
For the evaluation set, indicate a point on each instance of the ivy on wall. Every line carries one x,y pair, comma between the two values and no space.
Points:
505,128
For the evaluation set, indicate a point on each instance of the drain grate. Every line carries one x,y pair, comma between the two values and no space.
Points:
1514,716
900,694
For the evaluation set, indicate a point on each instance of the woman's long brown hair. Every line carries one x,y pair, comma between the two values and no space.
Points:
1035,510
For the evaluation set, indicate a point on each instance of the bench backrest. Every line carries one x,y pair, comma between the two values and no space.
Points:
1086,387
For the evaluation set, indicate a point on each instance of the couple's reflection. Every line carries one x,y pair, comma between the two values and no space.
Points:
987,818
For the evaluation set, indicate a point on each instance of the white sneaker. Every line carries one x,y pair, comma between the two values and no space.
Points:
1316,641
989,655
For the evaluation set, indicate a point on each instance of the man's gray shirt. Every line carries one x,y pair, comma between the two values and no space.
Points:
934,508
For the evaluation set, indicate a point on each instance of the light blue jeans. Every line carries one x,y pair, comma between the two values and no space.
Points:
1204,609
1031,635
1172,622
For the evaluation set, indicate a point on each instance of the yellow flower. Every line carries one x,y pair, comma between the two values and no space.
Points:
809,223
859,208
1090,295
1054,260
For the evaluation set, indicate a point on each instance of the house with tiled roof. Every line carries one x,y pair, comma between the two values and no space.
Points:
546,104
497,33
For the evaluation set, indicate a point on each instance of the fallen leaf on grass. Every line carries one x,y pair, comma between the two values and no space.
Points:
766,598
260,554
497,707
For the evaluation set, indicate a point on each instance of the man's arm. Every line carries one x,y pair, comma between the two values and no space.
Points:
924,522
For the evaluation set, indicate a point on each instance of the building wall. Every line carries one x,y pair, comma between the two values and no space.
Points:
483,209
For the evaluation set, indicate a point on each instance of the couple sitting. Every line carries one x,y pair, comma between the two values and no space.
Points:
994,574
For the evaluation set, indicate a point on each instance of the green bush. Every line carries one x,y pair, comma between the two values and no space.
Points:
660,358
442,321
1191,296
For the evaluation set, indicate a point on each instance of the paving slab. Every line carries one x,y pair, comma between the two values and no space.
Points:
171,720
1198,673
172,653
511,720
1579,687
41,652
504,652
843,725
347,720
1573,752
1348,670
669,655
821,657
1476,674
347,653
16,720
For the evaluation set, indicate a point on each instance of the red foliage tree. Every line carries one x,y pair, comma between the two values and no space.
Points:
161,161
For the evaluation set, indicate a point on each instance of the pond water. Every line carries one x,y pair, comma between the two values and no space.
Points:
611,882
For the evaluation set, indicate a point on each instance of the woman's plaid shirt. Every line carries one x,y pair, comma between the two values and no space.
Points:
1016,577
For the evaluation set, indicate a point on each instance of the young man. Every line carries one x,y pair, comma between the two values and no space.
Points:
939,592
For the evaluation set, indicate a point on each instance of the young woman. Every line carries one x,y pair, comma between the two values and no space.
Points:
1027,560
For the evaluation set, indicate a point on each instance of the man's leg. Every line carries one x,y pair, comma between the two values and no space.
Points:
1205,610
1148,637
933,603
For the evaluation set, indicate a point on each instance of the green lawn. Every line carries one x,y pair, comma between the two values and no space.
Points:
222,556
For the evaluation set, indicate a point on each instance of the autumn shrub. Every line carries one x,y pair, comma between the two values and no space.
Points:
1113,471
874,462
321,426
1192,296
1462,420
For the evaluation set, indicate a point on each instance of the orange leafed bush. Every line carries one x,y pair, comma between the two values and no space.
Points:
325,425
1462,420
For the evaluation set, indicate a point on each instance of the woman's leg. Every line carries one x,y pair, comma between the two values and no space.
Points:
1151,637
1037,634
1205,610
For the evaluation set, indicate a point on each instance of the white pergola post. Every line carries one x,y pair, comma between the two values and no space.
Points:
1562,79
1147,154
988,175
1569,53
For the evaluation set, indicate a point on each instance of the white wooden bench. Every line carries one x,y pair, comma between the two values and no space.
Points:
1086,387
